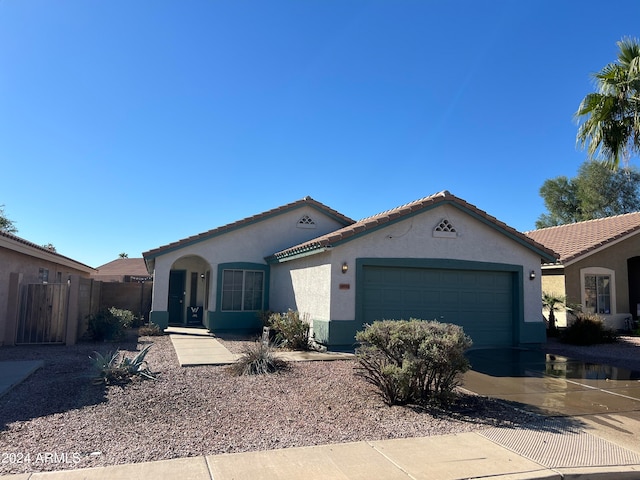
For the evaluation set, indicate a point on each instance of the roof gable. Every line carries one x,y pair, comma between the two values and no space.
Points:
307,201
577,240
381,220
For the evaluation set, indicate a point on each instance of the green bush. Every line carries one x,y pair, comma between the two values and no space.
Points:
291,330
150,329
412,361
258,358
588,329
126,317
115,368
104,327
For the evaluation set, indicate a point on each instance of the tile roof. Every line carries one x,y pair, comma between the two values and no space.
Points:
43,250
247,221
390,216
123,266
574,240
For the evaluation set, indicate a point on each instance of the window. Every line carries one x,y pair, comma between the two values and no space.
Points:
598,290
242,290
43,275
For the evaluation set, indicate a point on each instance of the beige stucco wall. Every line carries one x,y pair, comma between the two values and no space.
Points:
251,243
615,258
305,287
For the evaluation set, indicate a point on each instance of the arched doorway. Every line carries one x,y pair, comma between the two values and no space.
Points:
189,281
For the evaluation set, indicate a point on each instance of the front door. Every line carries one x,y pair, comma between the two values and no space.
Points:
176,296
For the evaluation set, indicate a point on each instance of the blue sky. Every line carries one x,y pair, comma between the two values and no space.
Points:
126,125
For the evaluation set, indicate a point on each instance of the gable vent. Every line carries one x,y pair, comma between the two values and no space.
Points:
445,229
306,222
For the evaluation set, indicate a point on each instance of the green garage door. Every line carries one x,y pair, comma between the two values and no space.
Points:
482,302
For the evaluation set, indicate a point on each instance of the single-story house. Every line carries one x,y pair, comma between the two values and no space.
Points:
438,257
123,270
126,284
598,267
24,262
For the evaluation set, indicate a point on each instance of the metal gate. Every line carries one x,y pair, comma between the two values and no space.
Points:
43,314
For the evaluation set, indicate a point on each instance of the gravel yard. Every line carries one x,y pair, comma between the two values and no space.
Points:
58,420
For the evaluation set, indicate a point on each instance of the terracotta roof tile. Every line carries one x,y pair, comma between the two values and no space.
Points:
577,239
123,266
370,223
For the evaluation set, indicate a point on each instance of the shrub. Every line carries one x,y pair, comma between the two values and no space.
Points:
150,329
258,358
588,329
291,330
117,368
104,326
412,361
126,317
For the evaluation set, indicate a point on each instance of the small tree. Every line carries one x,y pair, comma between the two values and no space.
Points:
6,225
554,303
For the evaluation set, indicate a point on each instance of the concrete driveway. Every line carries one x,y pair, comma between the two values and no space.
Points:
605,399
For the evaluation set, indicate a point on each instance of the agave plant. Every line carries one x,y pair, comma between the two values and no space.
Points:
116,368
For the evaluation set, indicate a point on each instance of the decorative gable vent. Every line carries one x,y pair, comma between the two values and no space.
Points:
306,222
445,229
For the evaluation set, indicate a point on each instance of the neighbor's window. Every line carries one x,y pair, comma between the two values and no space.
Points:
597,293
242,290
43,275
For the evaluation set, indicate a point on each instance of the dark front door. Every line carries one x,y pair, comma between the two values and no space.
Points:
176,296
633,267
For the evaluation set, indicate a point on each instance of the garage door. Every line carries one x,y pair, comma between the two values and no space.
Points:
482,302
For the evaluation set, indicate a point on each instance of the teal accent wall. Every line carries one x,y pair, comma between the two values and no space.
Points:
337,335
241,322
160,318
226,321
533,334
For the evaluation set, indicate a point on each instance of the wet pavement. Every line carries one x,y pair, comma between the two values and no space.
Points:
604,400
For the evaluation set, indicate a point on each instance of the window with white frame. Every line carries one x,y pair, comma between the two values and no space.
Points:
598,295
242,290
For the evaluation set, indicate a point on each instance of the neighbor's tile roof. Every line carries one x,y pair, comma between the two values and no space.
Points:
249,220
15,240
123,266
577,239
390,216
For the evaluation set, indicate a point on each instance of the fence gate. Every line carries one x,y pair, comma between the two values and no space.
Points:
43,314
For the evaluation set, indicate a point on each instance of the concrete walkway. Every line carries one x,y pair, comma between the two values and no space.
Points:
14,372
196,346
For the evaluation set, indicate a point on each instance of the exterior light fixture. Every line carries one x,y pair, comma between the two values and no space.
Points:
532,275
202,276
345,267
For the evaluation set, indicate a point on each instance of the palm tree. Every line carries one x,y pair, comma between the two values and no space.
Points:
554,303
610,118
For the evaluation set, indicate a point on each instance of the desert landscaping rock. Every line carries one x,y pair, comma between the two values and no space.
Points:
203,410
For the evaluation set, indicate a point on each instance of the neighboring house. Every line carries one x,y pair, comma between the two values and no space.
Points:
123,270
436,258
598,268
126,284
23,262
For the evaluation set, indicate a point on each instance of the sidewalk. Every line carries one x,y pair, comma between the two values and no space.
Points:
446,457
